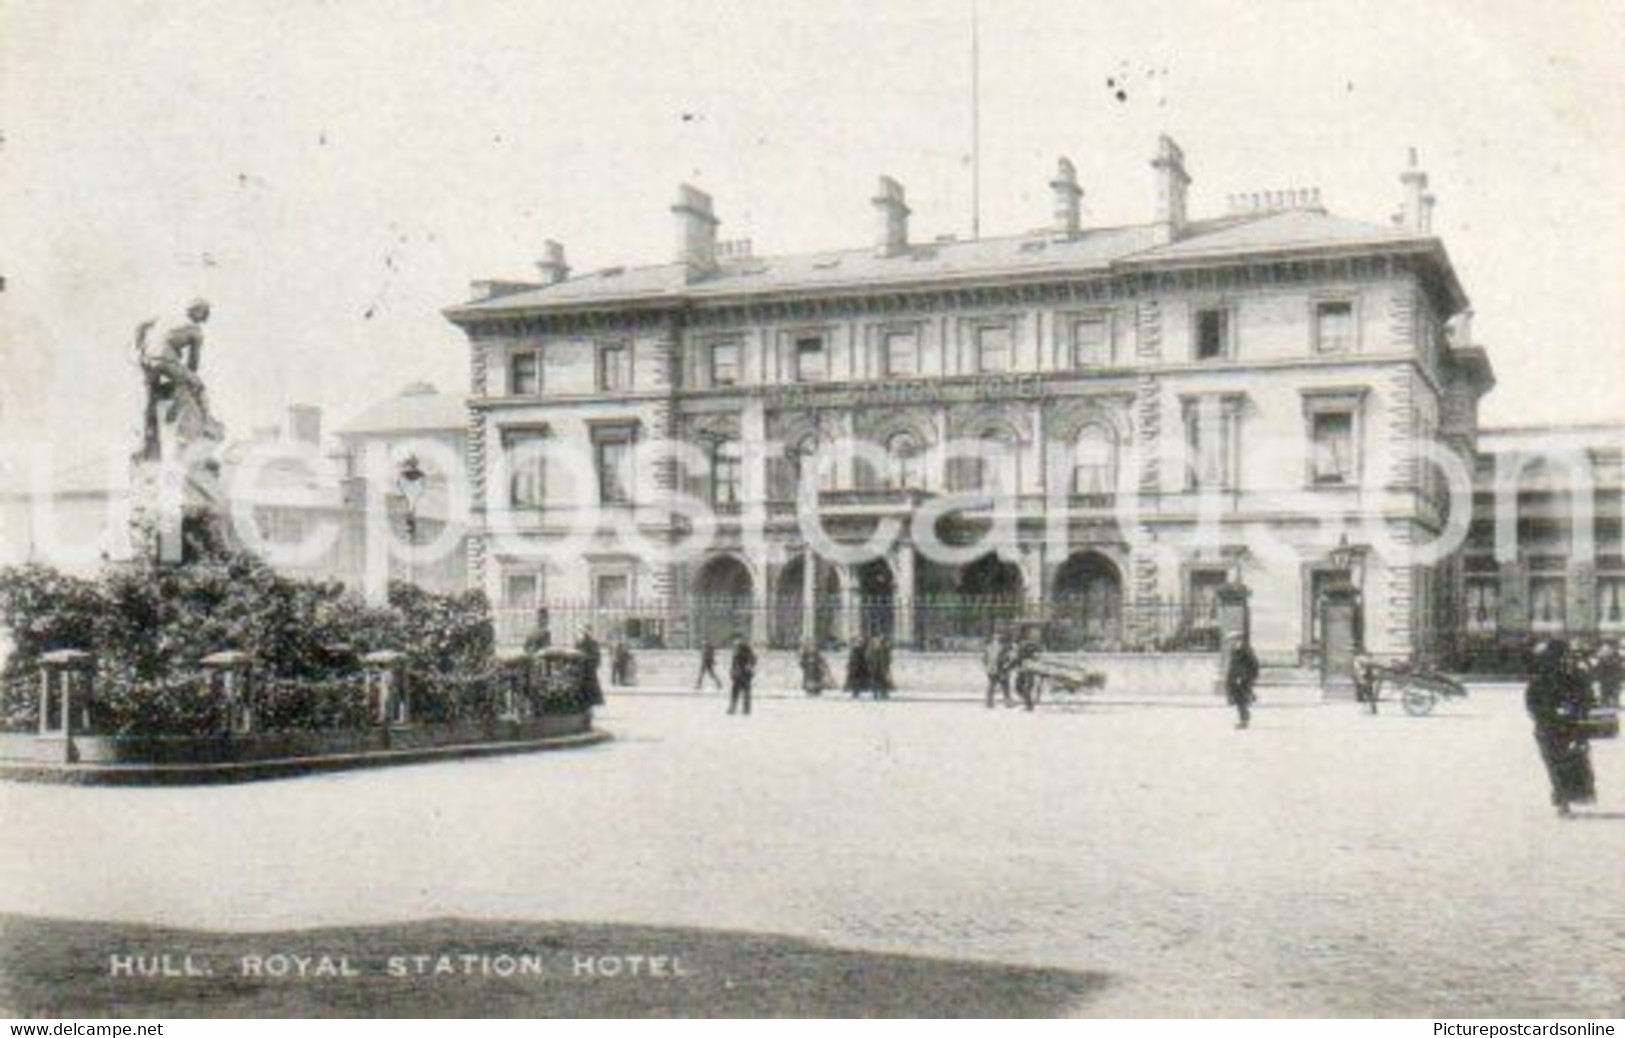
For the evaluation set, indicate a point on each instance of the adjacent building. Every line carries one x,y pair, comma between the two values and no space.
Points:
1246,377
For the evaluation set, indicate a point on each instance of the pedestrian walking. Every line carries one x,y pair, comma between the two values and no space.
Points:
1557,698
1365,682
857,668
814,674
1026,685
1240,676
1008,663
993,666
743,672
708,666
621,665
591,657
880,668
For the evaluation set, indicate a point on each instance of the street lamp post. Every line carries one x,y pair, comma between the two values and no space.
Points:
410,481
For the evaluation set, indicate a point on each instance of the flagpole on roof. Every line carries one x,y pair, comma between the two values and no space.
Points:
975,123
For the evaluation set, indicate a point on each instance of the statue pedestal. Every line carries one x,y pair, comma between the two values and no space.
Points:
172,499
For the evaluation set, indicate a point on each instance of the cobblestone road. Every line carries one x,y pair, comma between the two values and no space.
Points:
1324,862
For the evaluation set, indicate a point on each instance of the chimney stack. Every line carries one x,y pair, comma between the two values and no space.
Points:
891,227
1172,182
305,424
696,231
1418,211
1068,198
552,264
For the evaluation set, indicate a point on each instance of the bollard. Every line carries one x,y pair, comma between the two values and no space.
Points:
230,677
66,676
386,678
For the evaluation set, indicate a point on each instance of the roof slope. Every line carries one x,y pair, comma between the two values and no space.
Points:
417,408
1017,256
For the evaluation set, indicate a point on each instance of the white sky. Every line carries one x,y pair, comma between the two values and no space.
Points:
330,174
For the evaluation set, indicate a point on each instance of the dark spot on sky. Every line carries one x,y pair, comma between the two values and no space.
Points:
321,138
689,117
497,139
368,315
1122,95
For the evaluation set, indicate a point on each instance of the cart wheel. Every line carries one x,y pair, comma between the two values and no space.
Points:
1418,701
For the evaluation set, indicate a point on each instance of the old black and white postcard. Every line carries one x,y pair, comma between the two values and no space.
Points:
927,508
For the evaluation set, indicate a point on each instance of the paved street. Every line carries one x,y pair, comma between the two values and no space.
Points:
1324,862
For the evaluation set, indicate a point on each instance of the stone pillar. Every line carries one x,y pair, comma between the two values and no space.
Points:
809,599
1339,639
760,628
386,679
903,595
66,676
230,676
848,617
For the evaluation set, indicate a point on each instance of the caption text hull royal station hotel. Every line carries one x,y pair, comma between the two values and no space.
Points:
1143,414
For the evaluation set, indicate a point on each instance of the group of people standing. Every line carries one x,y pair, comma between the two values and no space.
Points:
868,668
1566,687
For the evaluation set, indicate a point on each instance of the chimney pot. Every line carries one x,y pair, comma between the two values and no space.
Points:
696,231
891,227
1418,208
1172,184
552,265
1068,197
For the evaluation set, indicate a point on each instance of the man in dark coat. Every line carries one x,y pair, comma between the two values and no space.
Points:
857,668
743,672
880,668
1557,698
1240,676
591,657
708,666
813,673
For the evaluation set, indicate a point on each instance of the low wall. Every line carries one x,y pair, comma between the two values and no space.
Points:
945,673
227,757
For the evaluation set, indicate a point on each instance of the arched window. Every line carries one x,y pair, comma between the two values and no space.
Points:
997,463
904,469
1094,461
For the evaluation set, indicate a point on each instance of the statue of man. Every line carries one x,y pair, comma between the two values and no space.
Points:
175,394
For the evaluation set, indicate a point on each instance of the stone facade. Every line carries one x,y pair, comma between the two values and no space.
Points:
1100,367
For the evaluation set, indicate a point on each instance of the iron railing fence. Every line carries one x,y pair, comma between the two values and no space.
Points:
1506,651
956,624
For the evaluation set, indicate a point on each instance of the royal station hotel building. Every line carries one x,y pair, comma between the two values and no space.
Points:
1156,410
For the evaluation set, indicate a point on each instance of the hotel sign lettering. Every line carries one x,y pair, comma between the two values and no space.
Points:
872,394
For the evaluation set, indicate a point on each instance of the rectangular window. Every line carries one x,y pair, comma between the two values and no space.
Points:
725,474
1212,333
1091,342
522,451
993,348
1208,430
612,459
1331,446
1483,603
525,374
725,364
902,353
614,368
1547,603
613,591
1611,603
1203,595
811,363
521,590
1334,326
